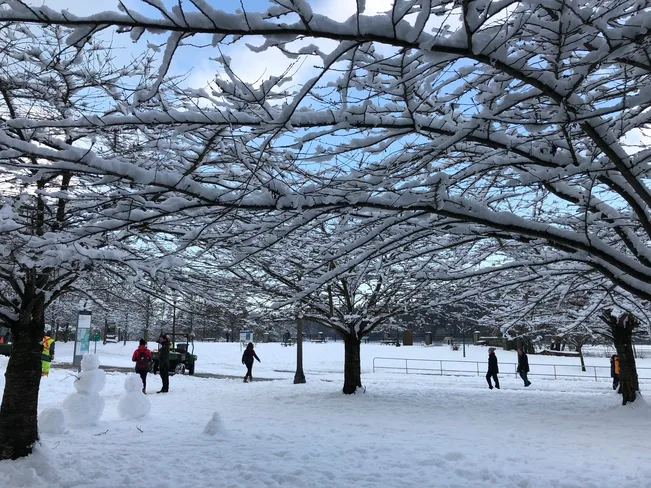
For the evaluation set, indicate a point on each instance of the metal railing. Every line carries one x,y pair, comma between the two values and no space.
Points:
453,367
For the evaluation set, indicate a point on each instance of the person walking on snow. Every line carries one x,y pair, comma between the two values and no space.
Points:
247,359
523,366
614,370
164,362
47,354
142,357
492,369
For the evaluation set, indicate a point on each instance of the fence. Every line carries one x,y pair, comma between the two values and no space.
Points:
449,367
642,351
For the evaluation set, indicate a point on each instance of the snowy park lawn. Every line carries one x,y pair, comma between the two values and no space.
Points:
405,431
324,359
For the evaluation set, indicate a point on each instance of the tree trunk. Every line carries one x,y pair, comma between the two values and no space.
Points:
621,329
299,376
19,409
352,364
628,381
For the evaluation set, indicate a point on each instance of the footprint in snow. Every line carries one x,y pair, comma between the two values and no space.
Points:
454,456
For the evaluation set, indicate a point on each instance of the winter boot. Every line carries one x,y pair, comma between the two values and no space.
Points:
144,391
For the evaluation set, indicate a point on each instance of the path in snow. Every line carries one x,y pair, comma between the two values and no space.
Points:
126,369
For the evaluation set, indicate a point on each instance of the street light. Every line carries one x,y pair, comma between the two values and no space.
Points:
299,377
174,323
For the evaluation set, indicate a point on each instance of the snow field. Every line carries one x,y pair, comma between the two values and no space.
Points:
405,431
280,362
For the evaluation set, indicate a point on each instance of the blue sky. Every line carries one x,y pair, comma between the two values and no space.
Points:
201,69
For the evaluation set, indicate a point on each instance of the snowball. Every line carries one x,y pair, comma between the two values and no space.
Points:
133,383
214,425
83,409
52,421
133,404
91,381
89,362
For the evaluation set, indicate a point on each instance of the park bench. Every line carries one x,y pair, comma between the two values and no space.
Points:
288,342
390,342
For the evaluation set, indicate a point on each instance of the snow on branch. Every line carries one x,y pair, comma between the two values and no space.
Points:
476,123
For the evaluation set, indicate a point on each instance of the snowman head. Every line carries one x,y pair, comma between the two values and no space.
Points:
89,361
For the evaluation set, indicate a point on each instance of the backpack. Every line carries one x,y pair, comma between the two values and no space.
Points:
142,363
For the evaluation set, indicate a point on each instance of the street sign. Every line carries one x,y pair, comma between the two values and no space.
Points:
82,337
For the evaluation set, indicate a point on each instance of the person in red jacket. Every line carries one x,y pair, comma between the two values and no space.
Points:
142,357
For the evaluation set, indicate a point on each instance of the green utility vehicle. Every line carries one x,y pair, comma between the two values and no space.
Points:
181,359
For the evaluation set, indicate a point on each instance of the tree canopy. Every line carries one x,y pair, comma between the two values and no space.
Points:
502,120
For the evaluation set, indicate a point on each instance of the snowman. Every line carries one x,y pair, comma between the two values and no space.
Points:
85,407
215,425
133,403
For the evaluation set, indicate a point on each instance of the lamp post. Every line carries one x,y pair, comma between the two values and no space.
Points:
145,334
299,377
174,323
126,328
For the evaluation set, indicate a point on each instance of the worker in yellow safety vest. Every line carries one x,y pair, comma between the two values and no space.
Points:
47,355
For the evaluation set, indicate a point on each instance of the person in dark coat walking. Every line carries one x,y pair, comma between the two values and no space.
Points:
492,369
247,360
614,370
523,366
142,357
164,362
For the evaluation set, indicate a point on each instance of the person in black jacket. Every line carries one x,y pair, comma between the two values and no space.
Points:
164,362
492,369
247,360
523,366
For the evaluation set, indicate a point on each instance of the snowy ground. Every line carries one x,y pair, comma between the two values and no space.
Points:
326,359
405,431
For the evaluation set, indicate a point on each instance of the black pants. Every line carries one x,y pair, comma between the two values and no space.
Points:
143,377
165,376
249,368
490,375
523,375
615,381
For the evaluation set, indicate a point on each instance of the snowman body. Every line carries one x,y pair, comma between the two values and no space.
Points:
85,406
133,404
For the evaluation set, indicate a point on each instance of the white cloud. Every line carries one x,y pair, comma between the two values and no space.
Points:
77,7
249,66
252,67
342,9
